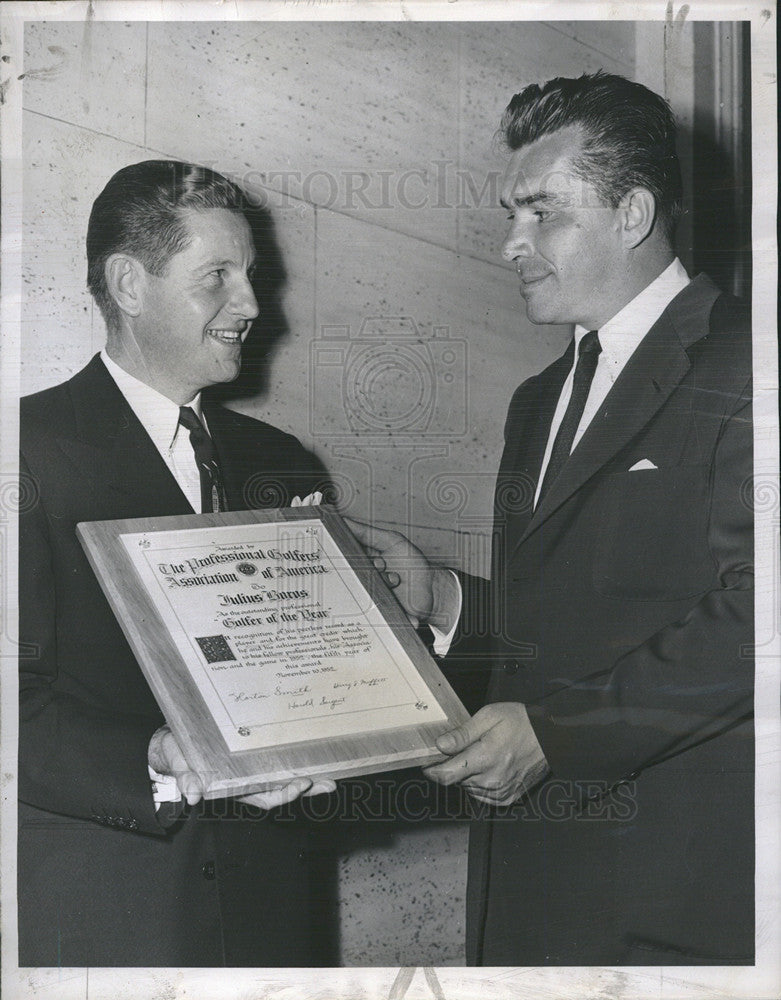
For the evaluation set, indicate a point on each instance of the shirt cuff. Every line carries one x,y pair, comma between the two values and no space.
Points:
443,640
164,787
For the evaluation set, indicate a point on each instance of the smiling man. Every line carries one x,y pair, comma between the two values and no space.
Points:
613,762
112,868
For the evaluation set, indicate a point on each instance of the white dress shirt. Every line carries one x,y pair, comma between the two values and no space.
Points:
619,338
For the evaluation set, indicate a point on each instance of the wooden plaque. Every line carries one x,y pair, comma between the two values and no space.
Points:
272,645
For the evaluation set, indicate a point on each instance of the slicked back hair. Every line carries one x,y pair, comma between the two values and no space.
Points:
628,136
142,212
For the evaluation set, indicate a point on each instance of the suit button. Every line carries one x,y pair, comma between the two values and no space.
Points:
207,870
511,666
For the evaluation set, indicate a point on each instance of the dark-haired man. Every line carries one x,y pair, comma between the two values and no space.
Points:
112,870
618,728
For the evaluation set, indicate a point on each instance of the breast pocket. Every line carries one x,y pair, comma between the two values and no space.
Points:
652,542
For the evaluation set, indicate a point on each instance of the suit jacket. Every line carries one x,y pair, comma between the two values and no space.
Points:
100,881
623,616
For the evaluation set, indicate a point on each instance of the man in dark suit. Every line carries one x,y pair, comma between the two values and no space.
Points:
113,869
612,765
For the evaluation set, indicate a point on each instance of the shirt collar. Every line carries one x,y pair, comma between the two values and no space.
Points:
158,414
621,335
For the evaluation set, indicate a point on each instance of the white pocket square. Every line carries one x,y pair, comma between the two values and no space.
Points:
310,501
644,463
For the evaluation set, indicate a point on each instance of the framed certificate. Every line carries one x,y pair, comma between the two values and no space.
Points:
272,644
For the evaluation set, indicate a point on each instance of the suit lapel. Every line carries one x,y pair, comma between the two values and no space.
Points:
112,447
649,378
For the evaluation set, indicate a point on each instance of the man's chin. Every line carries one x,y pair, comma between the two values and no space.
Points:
227,373
537,313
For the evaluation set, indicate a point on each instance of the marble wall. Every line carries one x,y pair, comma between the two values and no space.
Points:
401,334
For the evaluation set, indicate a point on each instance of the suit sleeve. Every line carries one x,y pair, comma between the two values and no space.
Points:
75,757
690,681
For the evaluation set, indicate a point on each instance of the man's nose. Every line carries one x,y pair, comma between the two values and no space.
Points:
516,244
243,302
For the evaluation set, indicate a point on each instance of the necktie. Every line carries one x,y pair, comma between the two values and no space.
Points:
213,497
588,354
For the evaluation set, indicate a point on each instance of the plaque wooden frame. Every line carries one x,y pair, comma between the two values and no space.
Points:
235,773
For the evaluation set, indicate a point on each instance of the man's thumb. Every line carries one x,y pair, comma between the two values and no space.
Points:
454,741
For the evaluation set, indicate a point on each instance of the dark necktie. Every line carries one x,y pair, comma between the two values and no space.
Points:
588,354
212,487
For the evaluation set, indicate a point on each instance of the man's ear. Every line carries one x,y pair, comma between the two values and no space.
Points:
125,278
638,208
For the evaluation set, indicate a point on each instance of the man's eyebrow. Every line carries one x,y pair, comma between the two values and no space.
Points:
227,261
538,198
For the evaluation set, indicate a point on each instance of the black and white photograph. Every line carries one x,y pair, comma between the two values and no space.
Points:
491,287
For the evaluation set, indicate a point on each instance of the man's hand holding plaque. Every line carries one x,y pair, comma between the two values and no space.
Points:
429,594
167,759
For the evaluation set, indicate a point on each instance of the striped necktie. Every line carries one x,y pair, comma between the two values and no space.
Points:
213,497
